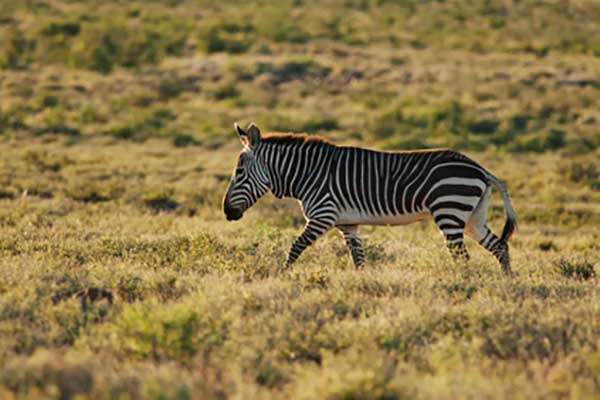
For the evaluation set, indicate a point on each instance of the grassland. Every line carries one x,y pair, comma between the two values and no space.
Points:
116,144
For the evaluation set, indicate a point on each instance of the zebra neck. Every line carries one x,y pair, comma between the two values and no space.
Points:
293,168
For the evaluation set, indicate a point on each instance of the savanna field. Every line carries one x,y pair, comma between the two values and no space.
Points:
121,279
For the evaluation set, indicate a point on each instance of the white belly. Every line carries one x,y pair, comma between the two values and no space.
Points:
351,217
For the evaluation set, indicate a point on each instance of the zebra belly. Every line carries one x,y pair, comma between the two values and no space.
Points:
351,217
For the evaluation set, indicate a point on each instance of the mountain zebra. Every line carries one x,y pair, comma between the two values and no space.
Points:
345,187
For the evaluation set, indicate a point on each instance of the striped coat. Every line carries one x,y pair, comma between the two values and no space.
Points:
344,187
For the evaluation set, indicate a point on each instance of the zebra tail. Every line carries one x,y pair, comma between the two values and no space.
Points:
511,218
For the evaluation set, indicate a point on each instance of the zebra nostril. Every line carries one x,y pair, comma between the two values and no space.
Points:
231,214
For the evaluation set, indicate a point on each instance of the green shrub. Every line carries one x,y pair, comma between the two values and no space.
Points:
386,123
581,146
94,192
587,173
101,47
55,123
169,88
484,126
227,90
11,119
170,335
526,143
274,24
547,245
103,55
229,37
15,50
518,123
143,125
7,193
158,202
581,270
62,28
450,115
554,140
90,115
342,29
292,70
183,140
58,129
45,161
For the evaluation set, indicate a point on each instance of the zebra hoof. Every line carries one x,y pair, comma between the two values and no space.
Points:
284,268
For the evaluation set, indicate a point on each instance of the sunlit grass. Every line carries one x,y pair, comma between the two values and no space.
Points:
120,278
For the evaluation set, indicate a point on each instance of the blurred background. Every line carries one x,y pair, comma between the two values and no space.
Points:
518,76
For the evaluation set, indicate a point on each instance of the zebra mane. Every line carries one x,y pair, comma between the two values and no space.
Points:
294,138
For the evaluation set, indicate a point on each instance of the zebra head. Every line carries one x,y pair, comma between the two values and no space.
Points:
250,180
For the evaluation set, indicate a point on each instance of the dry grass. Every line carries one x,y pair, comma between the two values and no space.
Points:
113,164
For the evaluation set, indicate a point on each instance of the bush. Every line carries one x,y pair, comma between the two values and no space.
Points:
103,56
48,100
90,115
15,50
526,143
580,270
93,192
484,126
226,91
158,202
102,46
582,172
554,140
449,114
170,88
62,28
183,140
143,125
581,146
58,129
55,123
386,123
44,161
229,38
11,120
294,70
276,25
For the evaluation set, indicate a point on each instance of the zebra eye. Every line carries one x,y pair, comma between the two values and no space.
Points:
239,170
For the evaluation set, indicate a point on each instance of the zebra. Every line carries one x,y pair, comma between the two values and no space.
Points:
343,187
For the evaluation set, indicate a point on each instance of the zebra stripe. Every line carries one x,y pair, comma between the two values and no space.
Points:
345,187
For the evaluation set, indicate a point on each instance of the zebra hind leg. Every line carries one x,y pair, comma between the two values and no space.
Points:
453,229
498,248
478,230
456,245
354,244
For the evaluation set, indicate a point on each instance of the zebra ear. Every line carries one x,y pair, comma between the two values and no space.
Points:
253,135
242,133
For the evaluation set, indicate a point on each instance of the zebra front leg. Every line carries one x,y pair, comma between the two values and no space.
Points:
313,229
354,244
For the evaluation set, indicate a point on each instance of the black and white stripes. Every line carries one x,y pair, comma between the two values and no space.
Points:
345,187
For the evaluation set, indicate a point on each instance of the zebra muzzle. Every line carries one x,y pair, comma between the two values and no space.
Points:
232,214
